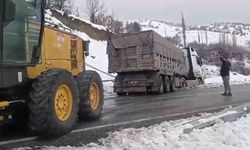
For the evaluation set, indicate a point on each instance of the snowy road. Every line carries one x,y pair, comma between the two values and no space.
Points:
137,111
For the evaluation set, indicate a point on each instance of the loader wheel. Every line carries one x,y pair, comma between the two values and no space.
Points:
167,85
161,85
173,84
54,103
91,95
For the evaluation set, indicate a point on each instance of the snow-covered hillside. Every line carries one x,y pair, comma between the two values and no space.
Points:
207,34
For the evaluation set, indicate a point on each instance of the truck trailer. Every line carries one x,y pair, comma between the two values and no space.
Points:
147,62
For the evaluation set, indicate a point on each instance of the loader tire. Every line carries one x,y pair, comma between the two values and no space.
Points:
91,95
53,104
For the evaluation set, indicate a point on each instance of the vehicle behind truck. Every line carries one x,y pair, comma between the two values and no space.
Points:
147,62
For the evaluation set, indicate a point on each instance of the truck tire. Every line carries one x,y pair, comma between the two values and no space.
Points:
53,104
173,84
160,85
91,95
167,84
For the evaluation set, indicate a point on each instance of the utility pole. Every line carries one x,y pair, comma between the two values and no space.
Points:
184,30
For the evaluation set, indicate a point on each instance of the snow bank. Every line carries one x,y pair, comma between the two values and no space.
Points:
213,78
52,21
170,136
99,27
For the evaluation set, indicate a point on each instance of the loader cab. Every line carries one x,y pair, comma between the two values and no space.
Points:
194,63
21,25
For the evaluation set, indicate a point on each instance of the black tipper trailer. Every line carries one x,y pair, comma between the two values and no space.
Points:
145,62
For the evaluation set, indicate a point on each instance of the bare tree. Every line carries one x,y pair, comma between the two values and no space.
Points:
176,39
94,8
234,39
133,27
117,27
63,5
206,36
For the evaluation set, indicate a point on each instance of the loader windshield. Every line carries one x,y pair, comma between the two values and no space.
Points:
21,35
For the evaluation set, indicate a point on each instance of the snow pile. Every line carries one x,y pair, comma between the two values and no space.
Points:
211,71
54,22
169,135
235,79
213,78
99,27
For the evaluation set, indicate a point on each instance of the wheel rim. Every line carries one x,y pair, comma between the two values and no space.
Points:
63,102
94,96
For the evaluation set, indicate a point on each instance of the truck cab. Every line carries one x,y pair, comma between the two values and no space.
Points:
193,64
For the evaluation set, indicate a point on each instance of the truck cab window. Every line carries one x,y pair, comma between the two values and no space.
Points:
23,33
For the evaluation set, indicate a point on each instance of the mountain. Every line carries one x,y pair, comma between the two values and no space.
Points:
232,33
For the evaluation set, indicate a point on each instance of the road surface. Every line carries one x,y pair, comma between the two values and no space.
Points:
135,111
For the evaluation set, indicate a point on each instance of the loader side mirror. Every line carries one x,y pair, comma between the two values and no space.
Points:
86,48
9,11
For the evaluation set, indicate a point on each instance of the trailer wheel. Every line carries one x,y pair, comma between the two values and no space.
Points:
173,84
91,95
167,84
53,104
160,85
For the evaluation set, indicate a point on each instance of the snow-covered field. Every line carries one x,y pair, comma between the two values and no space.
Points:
213,78
170,136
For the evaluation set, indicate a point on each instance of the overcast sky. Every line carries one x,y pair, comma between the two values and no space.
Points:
195,11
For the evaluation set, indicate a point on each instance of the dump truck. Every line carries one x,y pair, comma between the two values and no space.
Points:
147,62
43,81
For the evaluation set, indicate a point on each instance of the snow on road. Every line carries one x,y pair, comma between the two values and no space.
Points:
170,136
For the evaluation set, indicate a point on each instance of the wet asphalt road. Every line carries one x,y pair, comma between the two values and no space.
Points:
135,111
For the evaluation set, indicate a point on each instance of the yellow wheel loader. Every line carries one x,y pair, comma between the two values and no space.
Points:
43,81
